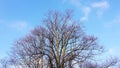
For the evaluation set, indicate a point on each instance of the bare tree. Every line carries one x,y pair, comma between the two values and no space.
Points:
109,63
61,43
112,62
89,64
4,63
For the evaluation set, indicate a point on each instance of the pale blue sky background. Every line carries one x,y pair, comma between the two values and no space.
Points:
100,18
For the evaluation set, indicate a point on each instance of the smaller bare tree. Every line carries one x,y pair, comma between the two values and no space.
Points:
109,63
4,63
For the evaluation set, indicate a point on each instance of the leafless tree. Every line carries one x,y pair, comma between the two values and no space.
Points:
112,62
89,64
4,63
109,63
60,43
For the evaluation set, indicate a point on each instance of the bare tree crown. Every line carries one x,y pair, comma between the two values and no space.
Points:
61,43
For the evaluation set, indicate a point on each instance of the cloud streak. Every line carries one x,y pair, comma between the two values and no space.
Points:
113,23
19,25
101,6
85,9
111,51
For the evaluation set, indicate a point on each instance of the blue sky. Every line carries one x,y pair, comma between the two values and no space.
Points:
101,18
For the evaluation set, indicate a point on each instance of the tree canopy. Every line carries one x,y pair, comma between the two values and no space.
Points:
60,43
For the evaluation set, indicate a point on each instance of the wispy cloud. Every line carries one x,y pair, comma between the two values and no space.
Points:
19,25
112,26
86,11
76,3
113,23
101,6
111,51
14,25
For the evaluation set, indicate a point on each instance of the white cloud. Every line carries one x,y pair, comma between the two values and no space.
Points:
86,11
113,23
76,3
14,25
111,51
113,27
20,25
101,6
